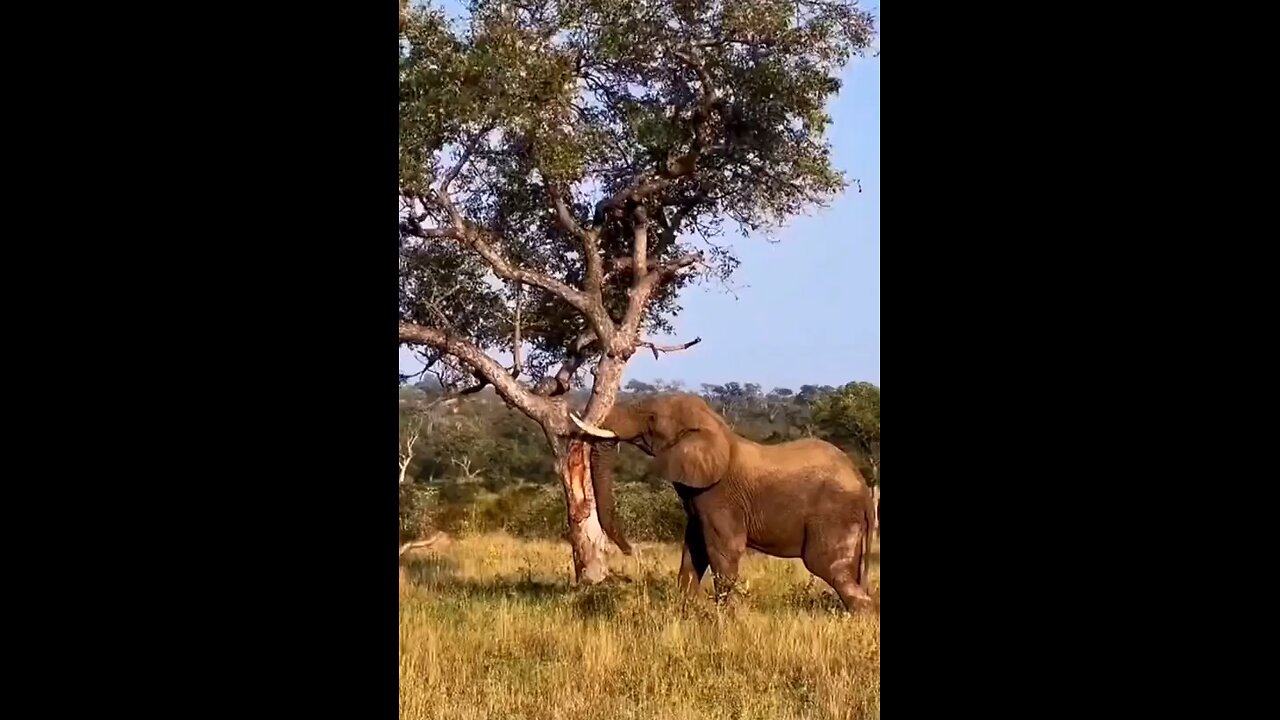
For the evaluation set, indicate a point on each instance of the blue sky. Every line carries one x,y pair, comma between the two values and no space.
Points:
807,308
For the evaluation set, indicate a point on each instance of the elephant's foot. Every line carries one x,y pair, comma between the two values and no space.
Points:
855,599
728,591
842,575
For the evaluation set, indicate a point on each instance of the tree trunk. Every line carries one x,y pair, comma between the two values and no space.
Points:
586,537
875,498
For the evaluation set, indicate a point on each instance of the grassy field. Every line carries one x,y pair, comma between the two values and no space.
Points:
490,628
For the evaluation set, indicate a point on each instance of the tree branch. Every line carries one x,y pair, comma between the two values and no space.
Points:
652,266
590,243
451,387
485,367
563,215
707,98
592,309
517,343
644,185
667,348
629,331
412,226
693,59
671,225
640,243
417,544
562,381
462,161
641,188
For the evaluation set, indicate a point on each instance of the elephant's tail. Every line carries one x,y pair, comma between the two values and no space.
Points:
868,525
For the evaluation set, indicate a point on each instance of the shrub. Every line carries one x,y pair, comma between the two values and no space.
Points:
417,504
537,511
650,513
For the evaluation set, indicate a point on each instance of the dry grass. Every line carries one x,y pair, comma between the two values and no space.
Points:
490,628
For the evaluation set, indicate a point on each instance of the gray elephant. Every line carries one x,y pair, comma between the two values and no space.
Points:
802,499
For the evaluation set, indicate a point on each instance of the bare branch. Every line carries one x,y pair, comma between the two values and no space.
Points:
595,269
628,332
418,544
465,466
406,455
425,367
667,348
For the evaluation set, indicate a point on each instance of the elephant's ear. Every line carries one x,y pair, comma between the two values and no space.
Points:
699,458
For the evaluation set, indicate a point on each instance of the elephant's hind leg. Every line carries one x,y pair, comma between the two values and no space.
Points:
836,558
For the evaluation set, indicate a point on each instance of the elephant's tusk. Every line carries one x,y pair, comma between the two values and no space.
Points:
591,429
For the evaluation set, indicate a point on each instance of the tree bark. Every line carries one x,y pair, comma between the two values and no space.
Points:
586,537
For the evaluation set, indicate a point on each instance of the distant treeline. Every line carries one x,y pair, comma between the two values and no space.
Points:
479,465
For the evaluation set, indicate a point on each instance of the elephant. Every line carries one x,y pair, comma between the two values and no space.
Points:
799,499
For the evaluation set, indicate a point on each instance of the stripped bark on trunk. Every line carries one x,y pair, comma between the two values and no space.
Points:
586,537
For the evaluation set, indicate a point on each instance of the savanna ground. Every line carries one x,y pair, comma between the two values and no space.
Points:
490,628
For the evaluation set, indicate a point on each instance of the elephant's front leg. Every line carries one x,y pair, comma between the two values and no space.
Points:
693,561
726,541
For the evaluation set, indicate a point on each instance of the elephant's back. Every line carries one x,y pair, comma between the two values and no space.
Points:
809,462
812,451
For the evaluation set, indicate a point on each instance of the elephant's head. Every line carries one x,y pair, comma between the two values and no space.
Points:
689,441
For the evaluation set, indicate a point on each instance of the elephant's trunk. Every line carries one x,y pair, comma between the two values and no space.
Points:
604,454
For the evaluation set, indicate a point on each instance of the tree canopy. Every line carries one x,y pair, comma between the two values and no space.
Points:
568,166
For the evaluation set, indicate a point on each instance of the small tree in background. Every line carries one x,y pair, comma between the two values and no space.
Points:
851,416
565,166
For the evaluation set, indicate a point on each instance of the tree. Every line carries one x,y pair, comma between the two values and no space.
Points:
641,388
564,168
777,402
411,431
851,416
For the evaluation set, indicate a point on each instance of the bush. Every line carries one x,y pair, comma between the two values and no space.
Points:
649,513
417,504
537,511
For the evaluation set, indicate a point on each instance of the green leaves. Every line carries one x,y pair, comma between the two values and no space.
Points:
724,103
851,415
